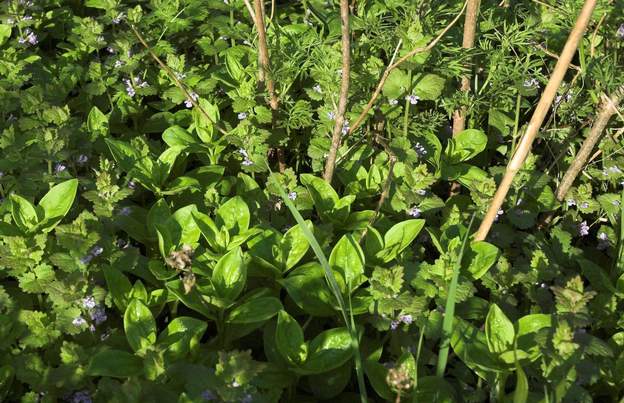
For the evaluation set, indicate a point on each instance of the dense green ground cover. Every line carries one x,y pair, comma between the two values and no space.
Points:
167,234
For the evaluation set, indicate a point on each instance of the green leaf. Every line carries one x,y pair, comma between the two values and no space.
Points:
234,215
293,246
185,230
229,275
255,310
5,33
327,351
307,287
209,230
97,122
429,87
205,126
193,299
177,136
57,202
465,145
323,195
23,212
436,390
115,363
118,286
521,394
396,84
479,258
181,336
499,331
125,155
289,339
347,258
399,237
139,325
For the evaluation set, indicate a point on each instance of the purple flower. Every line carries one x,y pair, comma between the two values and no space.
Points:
82,159
571,202
345,127
583,228
531,83
59,167
125,211
98,315
413,99
81,397
615,202
331,115
27,18
140,83
421,192
584,205
86,259
79,321
111,50
131,185
89,302
242,115
118,64
420,150
603,236
96,250
189,102
407,319
129,88
292,195
118,19
246,162
393,102
30,37
620,32
394,324
414,212
317,88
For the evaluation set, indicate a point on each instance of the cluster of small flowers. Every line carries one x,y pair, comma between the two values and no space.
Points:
420,150
583,228
94,252
345,127
246,161
189,102
331,115
29,38
620,32
407,319
317,88
414,212
130,86
531,83
413,99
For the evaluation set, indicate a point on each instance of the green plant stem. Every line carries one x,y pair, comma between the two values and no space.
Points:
449,310
407,105
516,124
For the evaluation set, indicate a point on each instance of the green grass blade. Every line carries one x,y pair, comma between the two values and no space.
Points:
335,289
449,315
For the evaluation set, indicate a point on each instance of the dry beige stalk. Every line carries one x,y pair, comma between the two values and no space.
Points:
524,147
608,108
330,164
470,29
263,51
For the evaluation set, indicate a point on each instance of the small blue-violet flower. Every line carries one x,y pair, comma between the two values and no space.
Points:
317,88
242,115
79,321
292,195
414,212
583,228
89,302
620,32
189,102
81,397
331,115
413,99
